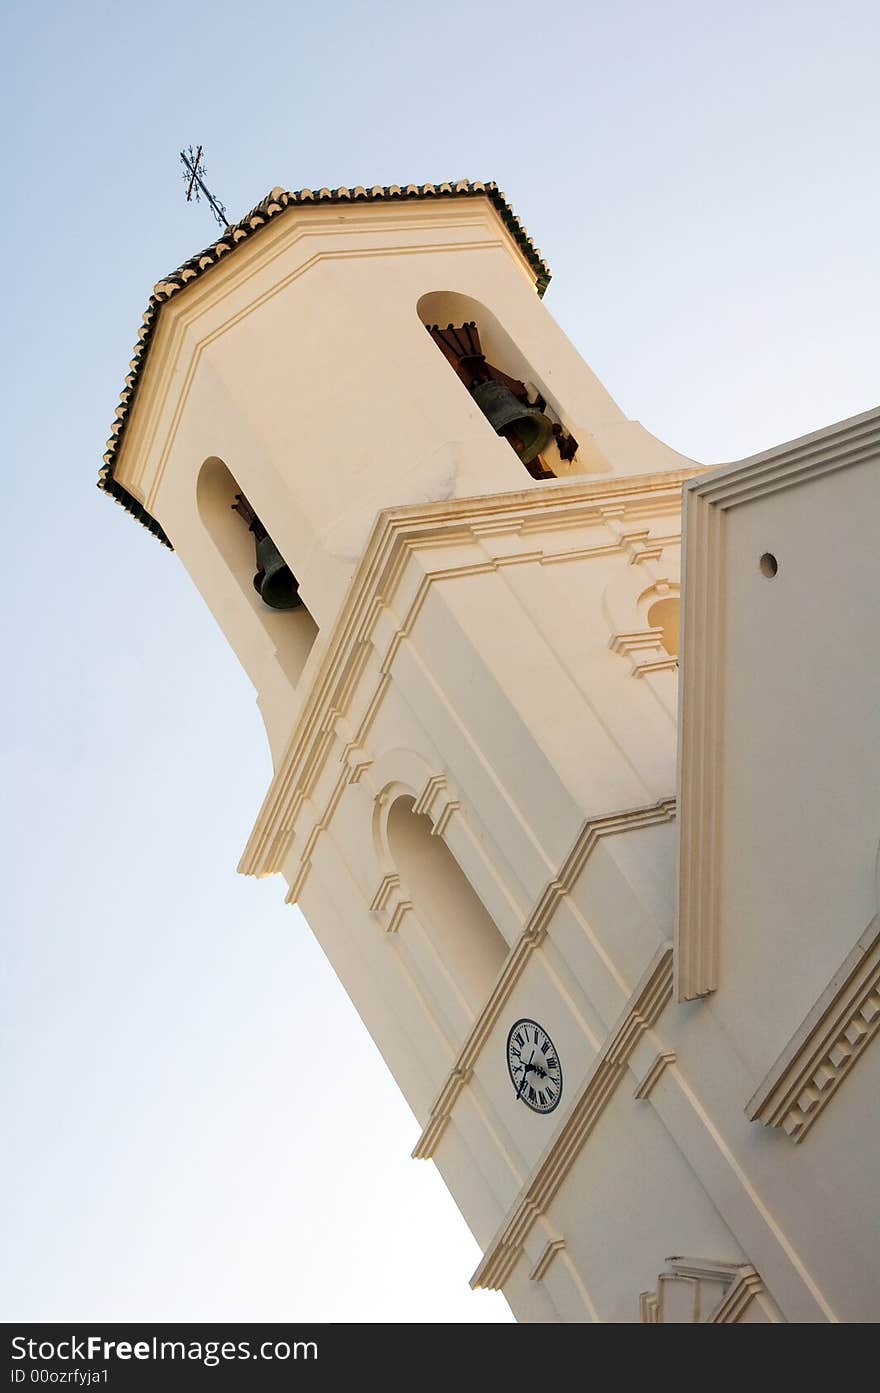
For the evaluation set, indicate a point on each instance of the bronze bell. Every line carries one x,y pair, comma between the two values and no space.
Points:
526,428
278,587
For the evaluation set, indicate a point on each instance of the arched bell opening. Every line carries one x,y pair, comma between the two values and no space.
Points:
500,382
256,563
463,933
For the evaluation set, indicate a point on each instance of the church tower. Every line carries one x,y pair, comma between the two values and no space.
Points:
450,567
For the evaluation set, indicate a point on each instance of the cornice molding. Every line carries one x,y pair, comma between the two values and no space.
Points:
532,936
398,535
834,447
824,1049
707,500
642,1012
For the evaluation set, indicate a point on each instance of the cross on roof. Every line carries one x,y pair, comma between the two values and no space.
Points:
194,172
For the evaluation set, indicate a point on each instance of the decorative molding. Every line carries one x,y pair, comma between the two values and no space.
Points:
531,937
699,1281
649,1082
699,778
436,804
641,1013
648,550
357,759
389,904
831,1038
745,1288
707,501
644,641
649,1307
555,1245
838,446
298,883
585,843
397,535
626,606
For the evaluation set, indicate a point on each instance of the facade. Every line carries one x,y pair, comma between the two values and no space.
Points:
618,1011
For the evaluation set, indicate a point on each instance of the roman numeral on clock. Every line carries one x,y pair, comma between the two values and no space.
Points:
534,1067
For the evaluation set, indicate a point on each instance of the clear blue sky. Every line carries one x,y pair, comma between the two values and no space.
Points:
703,181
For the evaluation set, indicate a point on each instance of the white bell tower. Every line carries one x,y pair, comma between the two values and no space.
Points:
471,706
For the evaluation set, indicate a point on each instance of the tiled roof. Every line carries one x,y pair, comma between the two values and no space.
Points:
273,204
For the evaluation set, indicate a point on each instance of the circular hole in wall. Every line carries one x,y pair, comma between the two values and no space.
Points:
769,565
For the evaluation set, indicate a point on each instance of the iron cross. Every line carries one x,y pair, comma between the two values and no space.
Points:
194,172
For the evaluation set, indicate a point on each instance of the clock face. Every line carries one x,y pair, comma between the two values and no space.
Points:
535,1071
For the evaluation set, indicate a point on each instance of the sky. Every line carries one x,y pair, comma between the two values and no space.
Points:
702,179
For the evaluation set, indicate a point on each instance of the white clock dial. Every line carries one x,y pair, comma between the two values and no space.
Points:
533,1065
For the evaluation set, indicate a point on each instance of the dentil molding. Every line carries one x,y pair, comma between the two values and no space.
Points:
831,1038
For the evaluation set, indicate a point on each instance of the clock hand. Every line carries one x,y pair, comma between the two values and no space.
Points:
525,1072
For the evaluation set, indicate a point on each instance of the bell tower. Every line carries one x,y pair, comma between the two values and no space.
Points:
449,565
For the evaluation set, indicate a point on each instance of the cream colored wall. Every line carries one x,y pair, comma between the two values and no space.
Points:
485,648
801,742
790,701
461,689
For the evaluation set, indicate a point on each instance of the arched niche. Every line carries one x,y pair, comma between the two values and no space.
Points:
292,632
463,933
663,613
443,307
659,607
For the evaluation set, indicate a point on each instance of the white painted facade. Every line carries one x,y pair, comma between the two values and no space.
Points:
474,729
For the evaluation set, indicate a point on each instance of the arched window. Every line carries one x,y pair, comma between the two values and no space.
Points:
462,932
257,565
501,382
